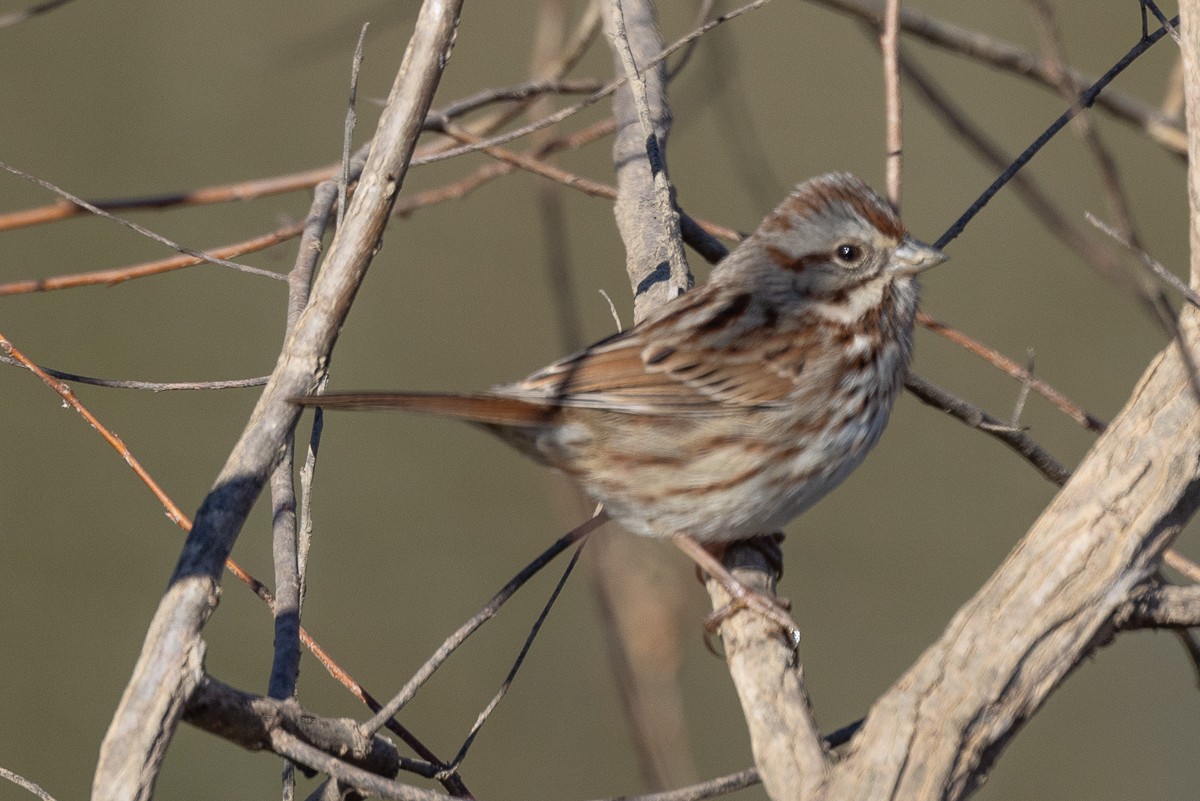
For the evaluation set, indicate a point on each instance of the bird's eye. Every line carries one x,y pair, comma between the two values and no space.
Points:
848,253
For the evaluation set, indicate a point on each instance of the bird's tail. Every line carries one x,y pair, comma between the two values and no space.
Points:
483,408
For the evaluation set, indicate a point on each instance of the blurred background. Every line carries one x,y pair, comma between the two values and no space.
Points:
419,521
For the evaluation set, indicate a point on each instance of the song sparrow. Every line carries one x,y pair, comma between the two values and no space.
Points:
735,407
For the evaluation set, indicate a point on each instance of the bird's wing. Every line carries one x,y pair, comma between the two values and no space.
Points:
702,353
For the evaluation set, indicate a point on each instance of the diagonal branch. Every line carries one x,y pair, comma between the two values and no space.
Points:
168,669
938,730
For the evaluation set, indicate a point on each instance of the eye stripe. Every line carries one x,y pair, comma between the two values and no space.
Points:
794,264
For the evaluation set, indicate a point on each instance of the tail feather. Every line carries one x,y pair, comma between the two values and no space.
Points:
483,408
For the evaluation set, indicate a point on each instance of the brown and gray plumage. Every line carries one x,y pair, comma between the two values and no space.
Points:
735,407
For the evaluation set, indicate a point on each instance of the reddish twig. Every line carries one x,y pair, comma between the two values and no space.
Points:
176,515
999,360
119,275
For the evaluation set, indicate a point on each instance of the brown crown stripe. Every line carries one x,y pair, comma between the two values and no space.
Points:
817,197
776,221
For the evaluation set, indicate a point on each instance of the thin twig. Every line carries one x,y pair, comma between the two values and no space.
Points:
723,785
176,515
999,360
119,275
1069,90
20,780
1085,101
568,179
703,230
451,644
1155,266
1142,285
1183,565
1019,407
146,232
1162,20
530,90
280,184
889,42
976,418
456,763
1045,210
351,120
219,193
590,100
152,386
297,750
1161,128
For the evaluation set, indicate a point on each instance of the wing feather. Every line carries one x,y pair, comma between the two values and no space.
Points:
695,351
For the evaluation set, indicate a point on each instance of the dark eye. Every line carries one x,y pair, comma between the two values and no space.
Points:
848,253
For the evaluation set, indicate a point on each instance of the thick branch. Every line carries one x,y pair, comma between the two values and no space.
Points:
251,720
1161,606
787,746
1057,597
937,731
167,669
641,137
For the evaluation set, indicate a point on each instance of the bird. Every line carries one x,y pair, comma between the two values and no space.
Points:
736,406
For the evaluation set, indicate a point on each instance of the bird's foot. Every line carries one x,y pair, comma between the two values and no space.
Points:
773,609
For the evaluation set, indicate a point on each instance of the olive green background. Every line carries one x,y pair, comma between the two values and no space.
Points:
419,521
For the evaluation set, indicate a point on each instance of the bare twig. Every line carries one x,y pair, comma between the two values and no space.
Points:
1019,407
297,750
596,97
1086,99
1162,20
146,232
712,788
485,614
176,515
119,275
1069,90
1045,210
21,781
351,120
456,763
152,386
975,417
889,43
1160,606
1161,128
1179,562
530,90
1022,374
249,721
166,671
1167,277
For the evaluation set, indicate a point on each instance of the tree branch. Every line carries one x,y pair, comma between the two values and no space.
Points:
168,669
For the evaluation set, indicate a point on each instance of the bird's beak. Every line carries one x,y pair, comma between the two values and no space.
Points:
914,256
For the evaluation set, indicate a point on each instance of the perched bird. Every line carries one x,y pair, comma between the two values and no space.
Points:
737,406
